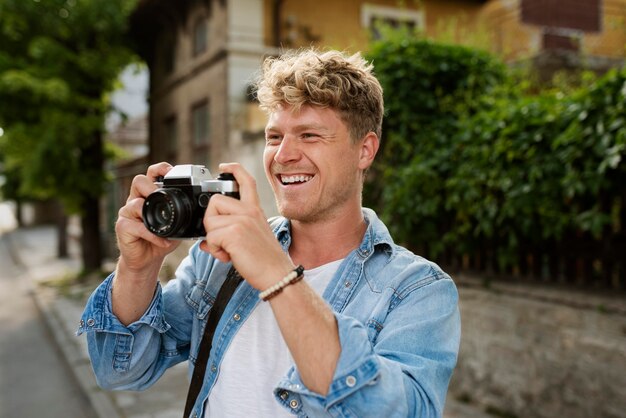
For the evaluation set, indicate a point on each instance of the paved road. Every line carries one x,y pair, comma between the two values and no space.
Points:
34,378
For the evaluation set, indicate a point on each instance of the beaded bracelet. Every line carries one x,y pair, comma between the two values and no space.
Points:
294,276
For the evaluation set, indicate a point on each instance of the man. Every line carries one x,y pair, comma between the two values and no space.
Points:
371,331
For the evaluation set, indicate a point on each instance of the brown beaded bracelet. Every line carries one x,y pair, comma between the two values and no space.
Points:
294,276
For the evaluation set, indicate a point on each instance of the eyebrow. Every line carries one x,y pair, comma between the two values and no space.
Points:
300,128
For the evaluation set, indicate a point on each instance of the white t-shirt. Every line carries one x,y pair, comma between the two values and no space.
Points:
256,359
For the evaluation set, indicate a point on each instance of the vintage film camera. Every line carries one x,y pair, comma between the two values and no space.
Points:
176,208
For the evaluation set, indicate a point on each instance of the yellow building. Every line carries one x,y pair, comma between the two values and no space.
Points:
202,54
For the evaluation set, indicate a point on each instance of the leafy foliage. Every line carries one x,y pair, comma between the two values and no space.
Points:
427,87
472,161
58,59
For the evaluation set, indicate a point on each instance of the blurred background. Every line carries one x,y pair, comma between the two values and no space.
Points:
501,158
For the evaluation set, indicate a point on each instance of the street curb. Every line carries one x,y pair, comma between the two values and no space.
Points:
78,363
65,340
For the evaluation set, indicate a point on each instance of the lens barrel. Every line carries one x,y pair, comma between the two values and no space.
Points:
167,212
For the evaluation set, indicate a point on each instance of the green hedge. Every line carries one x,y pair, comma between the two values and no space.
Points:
471,162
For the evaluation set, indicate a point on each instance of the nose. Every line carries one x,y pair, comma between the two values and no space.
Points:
288,150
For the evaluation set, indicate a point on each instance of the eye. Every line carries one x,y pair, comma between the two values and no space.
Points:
309,135
272,139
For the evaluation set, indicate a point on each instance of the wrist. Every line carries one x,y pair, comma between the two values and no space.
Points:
290,278
145,273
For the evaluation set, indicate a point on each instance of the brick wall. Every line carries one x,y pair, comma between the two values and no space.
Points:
581,15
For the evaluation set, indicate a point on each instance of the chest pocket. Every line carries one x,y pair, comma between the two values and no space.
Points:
200,300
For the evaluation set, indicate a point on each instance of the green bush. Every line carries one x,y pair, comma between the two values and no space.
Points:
470,162
428,89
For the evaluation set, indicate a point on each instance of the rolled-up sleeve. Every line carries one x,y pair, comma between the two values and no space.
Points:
135,356
403,372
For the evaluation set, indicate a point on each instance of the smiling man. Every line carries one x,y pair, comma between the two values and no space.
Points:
360,328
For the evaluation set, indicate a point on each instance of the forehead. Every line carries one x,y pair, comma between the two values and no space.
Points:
286,117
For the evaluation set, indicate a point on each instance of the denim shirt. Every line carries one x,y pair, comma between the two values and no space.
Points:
397,316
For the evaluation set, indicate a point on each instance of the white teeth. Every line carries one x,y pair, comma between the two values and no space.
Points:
295,179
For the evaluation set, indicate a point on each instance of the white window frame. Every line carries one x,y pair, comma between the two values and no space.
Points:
369,11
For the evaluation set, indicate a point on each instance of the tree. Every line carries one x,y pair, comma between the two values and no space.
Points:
58,61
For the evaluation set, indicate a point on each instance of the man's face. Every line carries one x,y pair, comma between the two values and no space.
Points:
312,164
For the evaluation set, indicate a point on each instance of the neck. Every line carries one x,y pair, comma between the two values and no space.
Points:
319,243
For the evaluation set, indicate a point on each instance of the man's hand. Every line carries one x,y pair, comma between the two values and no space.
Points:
237,231
141,252
138,246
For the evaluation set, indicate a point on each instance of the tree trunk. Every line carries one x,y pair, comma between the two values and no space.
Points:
62,251
18,213
90,239
92,161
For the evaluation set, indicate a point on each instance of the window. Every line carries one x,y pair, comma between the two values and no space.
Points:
372,16
200,129
200,33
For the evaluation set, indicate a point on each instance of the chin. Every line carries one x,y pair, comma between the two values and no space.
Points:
295,214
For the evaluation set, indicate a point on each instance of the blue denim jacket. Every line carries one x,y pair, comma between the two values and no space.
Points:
397,315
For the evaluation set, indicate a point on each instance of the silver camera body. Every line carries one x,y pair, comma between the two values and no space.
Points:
176,208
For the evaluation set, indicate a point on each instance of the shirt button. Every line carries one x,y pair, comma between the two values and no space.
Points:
236,317
347,284
81,323
284,395
293,404
91,322
213,368
350,381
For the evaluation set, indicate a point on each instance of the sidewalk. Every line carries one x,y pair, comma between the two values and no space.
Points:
62,305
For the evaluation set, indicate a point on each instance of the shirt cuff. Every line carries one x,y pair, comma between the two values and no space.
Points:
98,314
357,367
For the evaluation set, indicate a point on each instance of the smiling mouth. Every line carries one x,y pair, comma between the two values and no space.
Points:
297,179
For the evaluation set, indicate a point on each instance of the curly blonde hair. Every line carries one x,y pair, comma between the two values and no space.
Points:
326,79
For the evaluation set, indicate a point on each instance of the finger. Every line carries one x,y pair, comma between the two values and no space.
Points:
157,170
216,252
247,184
130,230
132,209
130,222
225,205
143,185
220,233
233,232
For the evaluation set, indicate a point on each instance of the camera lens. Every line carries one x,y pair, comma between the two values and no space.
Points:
167,212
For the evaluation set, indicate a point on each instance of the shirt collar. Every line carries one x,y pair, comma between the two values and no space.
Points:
376,235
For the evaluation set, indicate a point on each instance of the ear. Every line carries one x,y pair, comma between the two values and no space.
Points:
368,149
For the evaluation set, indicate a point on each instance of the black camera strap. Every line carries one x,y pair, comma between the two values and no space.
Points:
223,296
233,278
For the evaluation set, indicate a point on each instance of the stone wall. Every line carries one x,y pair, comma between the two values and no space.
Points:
536,351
